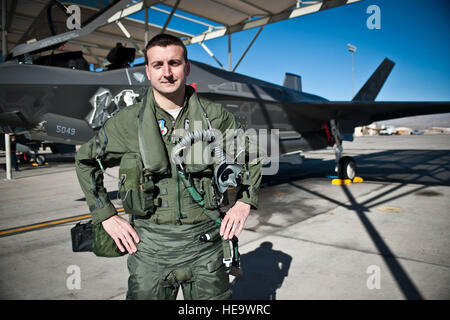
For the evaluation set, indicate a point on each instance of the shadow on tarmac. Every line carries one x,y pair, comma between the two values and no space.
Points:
404,167
404,282
264,272
424,168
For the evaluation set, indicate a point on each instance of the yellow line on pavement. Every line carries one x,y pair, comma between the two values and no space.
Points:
47,224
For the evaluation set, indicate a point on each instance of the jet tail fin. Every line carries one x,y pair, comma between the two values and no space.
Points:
292,81
376,81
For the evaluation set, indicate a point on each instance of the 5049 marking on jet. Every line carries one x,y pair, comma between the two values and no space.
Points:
65,130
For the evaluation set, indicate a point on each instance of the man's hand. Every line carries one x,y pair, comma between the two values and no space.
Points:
236,216
122,233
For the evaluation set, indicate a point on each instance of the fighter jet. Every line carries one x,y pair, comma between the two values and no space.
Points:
57,98
68,105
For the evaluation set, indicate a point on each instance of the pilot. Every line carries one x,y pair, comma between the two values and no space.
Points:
165,251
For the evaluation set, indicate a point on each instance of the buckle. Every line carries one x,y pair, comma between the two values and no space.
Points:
227,262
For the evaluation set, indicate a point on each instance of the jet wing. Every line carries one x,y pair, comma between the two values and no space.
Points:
305,115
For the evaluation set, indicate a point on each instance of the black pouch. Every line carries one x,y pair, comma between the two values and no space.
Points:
82,237
89,237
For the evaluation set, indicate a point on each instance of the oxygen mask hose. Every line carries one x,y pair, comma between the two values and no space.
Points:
226,175
189,139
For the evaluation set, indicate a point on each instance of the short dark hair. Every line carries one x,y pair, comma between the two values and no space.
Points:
164,40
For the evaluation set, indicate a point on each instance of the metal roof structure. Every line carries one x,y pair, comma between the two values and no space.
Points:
35,25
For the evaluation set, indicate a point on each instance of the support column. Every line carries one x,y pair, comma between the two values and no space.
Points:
170,16
4,33
229,52
8,157
249,46
212,55
4,55
146,39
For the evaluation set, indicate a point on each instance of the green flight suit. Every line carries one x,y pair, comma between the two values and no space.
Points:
169,252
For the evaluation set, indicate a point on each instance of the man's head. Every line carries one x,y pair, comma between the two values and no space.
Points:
164,40
166,65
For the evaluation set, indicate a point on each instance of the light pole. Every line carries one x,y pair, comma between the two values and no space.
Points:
352,49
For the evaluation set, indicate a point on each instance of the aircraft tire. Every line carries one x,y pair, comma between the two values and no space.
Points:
40,159
347,168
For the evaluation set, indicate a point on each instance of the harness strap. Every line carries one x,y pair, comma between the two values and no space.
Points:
100,154
101,149
99,203
142,145
204,113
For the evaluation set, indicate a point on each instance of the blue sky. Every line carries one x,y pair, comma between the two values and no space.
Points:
414,34
415,37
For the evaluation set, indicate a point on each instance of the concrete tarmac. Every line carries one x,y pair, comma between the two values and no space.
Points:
385,238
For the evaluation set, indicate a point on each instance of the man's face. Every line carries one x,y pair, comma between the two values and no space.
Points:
166,69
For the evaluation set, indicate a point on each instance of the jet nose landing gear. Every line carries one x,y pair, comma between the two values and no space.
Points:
345,166
346,170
